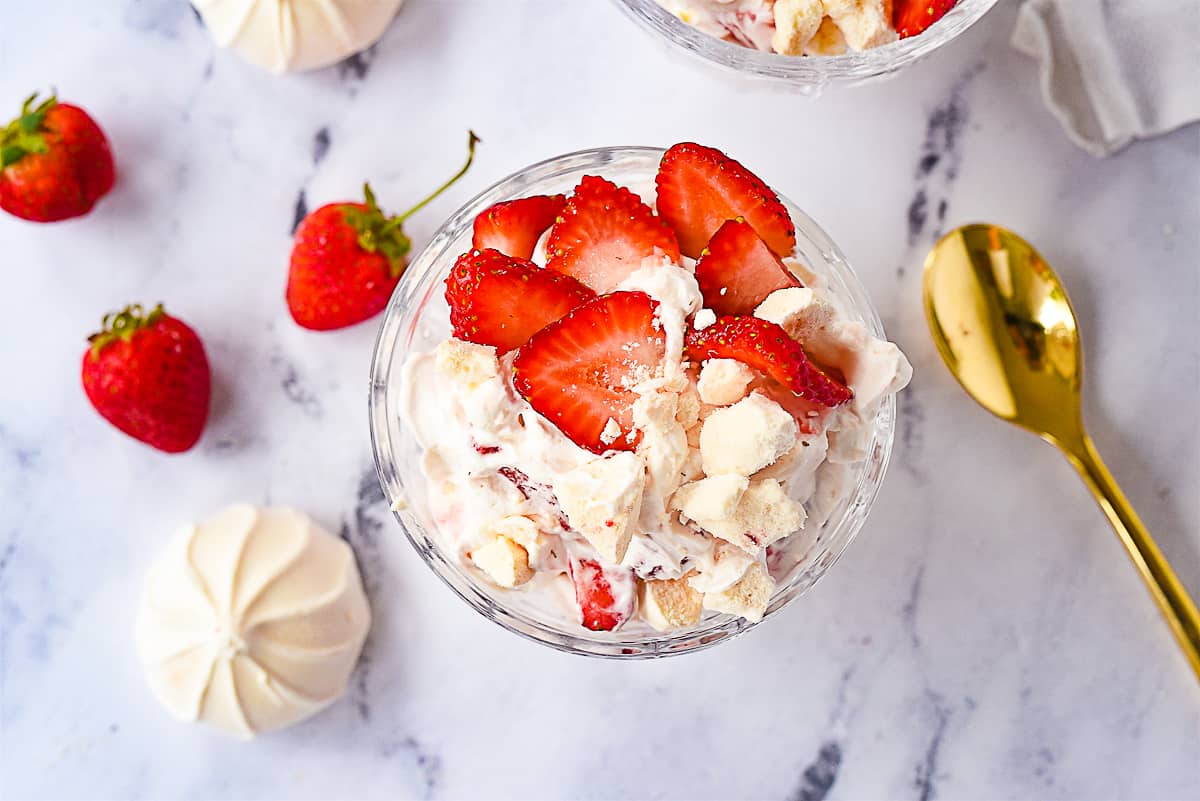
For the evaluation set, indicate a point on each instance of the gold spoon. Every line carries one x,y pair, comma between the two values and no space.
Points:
1005,328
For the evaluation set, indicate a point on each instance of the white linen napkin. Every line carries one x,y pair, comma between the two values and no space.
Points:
1114,70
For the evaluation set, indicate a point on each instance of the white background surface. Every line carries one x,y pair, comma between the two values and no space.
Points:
984,637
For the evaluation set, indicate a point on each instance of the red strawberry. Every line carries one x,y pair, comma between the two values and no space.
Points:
807,413
514,226
699,188
347,258
579,372
149,377
55,162
604,233
605,596
503,301
910,17
766,347
737,270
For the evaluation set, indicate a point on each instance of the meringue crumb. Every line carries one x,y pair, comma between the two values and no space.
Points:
505,562
746,437
748,598
723,381
670,603
612,430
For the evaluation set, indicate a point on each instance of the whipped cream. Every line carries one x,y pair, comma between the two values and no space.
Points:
748,22
252,620
792,27
295,35
681,525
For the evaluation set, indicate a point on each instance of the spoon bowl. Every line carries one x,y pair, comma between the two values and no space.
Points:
1004,325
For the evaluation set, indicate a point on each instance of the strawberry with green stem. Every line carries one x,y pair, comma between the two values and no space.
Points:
348,257
147,374
55,162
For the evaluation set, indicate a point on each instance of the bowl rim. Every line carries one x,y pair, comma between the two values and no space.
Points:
382,414
803,71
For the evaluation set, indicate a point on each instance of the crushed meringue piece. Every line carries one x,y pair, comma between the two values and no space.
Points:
746,437
723,381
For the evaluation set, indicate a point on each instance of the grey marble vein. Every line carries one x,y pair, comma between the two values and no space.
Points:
355,68
927,769
938,165
819,777
320,147
363,531
295,388
301,210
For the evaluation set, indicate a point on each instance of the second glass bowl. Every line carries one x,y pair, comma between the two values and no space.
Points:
417,319
805,74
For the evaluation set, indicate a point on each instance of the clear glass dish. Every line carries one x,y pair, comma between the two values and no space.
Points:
805,74
417,319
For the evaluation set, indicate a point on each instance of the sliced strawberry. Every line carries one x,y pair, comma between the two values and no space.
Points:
514,226
808,414
737,270
500,300
766,347
910,17
604,233
699,188
579,372
605,595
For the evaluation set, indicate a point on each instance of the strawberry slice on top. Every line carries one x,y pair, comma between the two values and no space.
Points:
699,188
604,233
579,372
910,17
514,226
737,270
766,347
502,301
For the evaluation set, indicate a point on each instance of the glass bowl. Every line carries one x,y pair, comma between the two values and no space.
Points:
805,74
417,319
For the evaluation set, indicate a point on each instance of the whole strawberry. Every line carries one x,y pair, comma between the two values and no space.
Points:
55,162
348,257
147,375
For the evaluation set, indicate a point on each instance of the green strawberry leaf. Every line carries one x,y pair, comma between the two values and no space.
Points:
379,233
11,154
24,135
123,325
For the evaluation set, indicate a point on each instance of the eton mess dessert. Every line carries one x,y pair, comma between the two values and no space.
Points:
809,27
647,401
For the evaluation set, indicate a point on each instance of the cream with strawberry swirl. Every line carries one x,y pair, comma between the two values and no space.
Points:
619,441
809,27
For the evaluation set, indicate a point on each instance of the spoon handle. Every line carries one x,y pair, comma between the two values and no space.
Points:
1169,593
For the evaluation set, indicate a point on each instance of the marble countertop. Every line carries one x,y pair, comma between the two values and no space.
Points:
985,637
